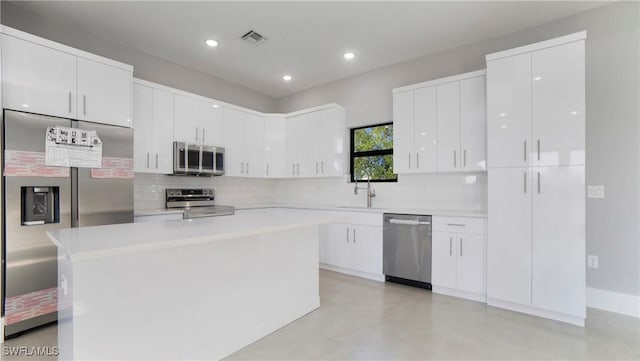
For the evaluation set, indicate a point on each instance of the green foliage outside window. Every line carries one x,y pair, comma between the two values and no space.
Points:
372,153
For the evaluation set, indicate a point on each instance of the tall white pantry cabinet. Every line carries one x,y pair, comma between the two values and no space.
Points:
536,179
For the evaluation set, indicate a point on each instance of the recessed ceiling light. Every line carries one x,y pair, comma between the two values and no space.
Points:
287,77
349,56
25,105
537,78
215,105
212,43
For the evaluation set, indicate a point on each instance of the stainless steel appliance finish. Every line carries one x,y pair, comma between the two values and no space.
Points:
196,203
33,205
407,249
195,159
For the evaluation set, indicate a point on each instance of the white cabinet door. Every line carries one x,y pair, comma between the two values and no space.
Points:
185,121
331,154
338,246
253,145
473,124
162,131
559,239
38,79
366,249
509,111
443,264
448,105
425,130
403,133
558,105
210,123
295,143
275,146
104,93
233,141
509,235
308,141
470,264
143,128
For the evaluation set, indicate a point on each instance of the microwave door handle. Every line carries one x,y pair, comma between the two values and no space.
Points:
201,159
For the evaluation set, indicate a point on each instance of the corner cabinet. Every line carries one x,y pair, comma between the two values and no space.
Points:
315,144
536,180
439,125
44,77
243,142
153,129
458,257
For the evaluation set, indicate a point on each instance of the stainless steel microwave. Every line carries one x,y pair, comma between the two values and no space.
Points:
195,159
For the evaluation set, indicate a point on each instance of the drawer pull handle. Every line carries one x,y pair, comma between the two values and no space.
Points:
456,224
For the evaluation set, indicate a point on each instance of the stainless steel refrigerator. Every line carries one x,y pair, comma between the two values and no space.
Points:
37,198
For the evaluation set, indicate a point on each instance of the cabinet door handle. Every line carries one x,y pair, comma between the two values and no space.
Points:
267,169
525,182
460,246
156,160
147,160
417,160
454,159
538,149
450,246
456,224
298,168
409,160
247,168
538,182
354,235
196,134
322,167
84,104
347,234
464,158
525,151
293,169
203,135
69,102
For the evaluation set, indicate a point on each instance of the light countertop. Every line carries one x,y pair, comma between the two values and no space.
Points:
100,241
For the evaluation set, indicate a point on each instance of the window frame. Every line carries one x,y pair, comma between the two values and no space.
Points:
369,153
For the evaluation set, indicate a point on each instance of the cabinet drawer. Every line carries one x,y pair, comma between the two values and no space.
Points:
458,224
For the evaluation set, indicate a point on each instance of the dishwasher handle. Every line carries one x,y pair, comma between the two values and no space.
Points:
409,222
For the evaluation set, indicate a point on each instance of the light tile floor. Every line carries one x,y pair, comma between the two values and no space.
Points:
368,320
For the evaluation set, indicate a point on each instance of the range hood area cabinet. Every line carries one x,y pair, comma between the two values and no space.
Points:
243,140
536,179
197,120
439,125
44,77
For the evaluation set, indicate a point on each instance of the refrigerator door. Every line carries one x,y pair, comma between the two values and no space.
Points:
30,258
104,200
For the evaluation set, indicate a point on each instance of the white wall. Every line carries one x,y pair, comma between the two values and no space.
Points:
149,189
613,113
146,66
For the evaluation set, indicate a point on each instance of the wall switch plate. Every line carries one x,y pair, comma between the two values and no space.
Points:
592,261
595,191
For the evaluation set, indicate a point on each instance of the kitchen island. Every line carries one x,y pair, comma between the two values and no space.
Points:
185,289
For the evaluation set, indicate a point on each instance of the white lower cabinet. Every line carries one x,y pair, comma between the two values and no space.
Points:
458,257
352,248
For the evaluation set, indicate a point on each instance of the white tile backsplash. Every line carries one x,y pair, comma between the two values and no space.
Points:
434,191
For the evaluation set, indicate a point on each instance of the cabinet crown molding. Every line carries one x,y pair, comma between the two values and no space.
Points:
539,45
447,79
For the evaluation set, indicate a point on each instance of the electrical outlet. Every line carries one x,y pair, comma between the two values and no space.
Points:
595,191
592,261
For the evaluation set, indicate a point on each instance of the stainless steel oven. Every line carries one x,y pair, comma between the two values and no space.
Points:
196,159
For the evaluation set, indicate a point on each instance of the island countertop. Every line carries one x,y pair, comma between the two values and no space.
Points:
102,241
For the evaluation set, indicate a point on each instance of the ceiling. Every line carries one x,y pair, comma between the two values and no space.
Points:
305,39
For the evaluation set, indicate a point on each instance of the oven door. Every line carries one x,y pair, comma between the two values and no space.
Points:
186,158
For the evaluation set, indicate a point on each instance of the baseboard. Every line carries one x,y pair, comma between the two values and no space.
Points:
458,293
574,320
613,301
371,276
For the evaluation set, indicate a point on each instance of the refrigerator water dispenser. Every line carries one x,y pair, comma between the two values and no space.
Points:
40,205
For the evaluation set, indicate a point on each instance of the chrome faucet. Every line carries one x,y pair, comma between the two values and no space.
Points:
370,192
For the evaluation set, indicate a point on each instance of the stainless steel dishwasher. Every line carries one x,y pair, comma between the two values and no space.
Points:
407,249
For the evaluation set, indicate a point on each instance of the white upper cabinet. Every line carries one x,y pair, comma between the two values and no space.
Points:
448,110
104,93
425,129
185,122
439,125
558,105
38,79
210,123
275,146
233,141
153,130
473,125
509,111
403,132
254,145
44,77
330,140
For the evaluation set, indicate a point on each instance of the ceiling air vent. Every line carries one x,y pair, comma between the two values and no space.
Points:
253,38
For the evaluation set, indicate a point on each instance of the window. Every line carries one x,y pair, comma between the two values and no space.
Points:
372,153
